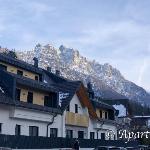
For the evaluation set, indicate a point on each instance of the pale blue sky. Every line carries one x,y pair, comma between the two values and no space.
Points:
113,31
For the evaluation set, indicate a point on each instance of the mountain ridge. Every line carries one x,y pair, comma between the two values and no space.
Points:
107,80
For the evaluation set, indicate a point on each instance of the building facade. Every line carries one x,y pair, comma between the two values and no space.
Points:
37,102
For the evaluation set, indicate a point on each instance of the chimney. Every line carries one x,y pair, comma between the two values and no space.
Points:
90,90
49,69
89,86
35,62
57,72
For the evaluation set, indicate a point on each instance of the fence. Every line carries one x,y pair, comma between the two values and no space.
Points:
28,142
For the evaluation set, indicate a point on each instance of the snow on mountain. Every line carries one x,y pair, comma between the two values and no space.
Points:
107,81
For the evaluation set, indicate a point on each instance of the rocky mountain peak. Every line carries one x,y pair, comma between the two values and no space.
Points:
107,80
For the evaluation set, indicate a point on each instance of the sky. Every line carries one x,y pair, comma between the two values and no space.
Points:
110,31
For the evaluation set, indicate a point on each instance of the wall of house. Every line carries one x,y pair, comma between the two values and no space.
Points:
81,110
100,127
14,69
77,121
10,116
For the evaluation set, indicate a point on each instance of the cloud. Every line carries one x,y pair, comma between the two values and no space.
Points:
117,33
142,70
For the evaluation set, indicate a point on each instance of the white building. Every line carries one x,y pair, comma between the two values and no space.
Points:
30,104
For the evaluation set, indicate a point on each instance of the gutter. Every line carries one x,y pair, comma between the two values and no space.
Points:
50,123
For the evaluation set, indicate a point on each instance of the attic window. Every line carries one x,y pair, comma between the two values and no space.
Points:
19,72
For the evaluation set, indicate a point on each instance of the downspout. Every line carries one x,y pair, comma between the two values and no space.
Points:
50,123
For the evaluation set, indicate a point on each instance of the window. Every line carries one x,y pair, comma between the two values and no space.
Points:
51,100
69,133
18,91
18,130
47,101
76,108
0,127
19,72
81,134
68,108
37,78
3,67
92,135
101,114
106,115
30,97
33,131
53,132
102,136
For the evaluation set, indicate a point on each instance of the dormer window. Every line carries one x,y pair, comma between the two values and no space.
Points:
19,72
36,78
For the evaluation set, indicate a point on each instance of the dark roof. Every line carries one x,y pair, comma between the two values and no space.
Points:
65,86
35,84
99,104
19,63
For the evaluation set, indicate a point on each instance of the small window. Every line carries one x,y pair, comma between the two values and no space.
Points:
81,134
36,78
76,108
33,131
68,108
102,136
0,128
18,129
69,133
53,132
101,114
3,67
106,115
47,101
18,92
92,135
30,97
19,72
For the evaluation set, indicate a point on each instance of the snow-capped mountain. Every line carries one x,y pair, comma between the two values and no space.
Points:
107,81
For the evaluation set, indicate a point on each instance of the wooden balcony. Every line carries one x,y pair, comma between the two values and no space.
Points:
75,119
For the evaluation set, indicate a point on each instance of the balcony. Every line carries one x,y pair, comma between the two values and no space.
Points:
101,122
75,119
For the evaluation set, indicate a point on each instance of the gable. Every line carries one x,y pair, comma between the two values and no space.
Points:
85,101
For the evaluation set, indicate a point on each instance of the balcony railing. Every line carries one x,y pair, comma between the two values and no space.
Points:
77,119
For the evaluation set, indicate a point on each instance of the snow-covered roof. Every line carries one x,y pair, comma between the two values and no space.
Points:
122,110
141,117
